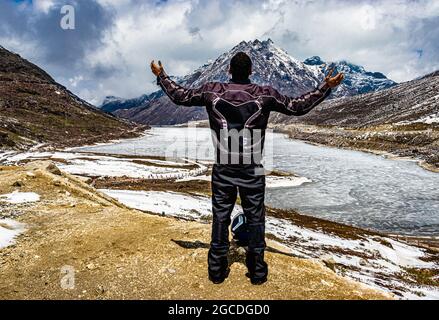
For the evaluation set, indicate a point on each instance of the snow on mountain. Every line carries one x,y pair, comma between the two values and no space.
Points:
110,99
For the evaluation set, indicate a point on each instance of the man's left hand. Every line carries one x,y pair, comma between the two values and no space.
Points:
333,81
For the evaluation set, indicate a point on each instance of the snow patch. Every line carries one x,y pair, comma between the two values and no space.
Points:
284,182
9,229
168,203
111,166
115,168
399,254
5,155
433,118
375,261
20,197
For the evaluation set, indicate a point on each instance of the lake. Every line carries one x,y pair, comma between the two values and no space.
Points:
352,187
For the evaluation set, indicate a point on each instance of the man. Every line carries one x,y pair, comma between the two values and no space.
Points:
238,115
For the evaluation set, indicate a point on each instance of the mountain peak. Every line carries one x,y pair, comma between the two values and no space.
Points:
357,79
314,61
263,42
252,44
271,66
109,99
268,41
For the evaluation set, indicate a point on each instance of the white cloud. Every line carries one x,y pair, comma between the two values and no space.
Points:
43,5
396,37
76,80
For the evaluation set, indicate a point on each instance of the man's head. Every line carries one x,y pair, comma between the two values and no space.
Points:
240,66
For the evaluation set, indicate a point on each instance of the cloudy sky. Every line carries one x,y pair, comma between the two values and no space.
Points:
113,41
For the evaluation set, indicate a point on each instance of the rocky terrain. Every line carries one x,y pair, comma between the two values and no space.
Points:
34,109
78,243
271,66
403,120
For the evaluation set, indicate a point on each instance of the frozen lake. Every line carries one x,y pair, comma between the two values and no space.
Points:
351,187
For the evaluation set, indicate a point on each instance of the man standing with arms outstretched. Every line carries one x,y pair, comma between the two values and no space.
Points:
238,115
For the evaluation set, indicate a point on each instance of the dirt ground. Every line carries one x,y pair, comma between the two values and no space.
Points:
80,244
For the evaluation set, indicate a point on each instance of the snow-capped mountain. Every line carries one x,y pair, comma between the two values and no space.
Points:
271,66
357,79
112,103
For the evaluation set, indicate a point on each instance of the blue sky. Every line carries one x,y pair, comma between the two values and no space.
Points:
108,52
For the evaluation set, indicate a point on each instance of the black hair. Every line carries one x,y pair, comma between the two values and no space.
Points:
240,66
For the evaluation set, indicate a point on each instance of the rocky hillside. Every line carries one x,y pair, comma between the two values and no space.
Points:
271,66
35,109
413,102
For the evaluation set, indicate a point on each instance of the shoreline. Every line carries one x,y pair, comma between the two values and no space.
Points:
144,133
386,154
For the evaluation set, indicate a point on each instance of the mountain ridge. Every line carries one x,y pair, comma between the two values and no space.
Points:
357,79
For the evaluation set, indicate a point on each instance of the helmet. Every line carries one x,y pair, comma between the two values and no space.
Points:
240,230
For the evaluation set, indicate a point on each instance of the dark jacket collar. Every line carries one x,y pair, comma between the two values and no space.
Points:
247,81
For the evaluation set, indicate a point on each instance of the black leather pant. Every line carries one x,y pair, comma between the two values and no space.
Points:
227,180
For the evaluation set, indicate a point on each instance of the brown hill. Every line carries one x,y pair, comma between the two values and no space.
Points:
36,109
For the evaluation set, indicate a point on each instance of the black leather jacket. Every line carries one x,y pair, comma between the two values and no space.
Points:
238,113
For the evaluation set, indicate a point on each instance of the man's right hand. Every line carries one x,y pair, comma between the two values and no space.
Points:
156,69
